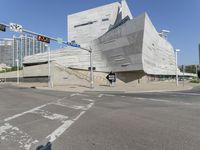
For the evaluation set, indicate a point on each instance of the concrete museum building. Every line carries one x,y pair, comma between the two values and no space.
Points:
126,44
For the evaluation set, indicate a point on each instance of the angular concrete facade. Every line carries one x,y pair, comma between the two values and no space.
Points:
128,45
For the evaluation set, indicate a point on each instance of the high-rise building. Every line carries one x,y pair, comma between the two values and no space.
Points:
6,51
199,53
17,48
26,46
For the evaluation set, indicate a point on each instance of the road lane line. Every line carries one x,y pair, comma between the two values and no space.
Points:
71,106
27,143
101,95
66,124
10,133
51,116
85,99
30,111
26,112
78,94
162,100
59,131
181,93
151,99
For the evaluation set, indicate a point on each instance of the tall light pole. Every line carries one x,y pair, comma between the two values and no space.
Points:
4,74
17,60
91,70
176,53
49,69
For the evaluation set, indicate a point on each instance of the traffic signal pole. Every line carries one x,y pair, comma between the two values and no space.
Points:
62,42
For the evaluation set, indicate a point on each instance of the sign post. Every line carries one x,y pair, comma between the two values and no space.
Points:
111,77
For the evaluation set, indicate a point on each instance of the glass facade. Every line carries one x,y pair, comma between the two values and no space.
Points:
17,48
6,52
26,46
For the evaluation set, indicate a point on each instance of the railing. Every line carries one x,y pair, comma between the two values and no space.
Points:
73,72
80,75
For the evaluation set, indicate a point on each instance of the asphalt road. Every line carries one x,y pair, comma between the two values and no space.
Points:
99,121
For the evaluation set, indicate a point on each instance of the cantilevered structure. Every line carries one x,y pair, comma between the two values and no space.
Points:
123,43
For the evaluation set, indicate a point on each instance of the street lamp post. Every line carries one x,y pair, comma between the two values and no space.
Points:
91,70
4,69
17,60
5,75
197,70
176,52
49,69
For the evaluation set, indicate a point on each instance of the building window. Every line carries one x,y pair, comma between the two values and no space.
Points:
85,24
105,19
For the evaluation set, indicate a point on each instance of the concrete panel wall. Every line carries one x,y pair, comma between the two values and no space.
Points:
88,25
158,54
34,71
11,74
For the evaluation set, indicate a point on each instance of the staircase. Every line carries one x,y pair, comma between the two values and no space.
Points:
83,75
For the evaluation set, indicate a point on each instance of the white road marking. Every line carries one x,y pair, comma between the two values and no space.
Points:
60,130
10,133
90,100
151,99
162,100
51,116
24,140
71,106
26,112
30,111
101,95
4,128
75,119
181,93
78,94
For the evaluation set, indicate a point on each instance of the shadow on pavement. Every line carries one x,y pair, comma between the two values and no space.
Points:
46,147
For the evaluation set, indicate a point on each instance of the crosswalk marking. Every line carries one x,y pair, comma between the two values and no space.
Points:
14,134
10,133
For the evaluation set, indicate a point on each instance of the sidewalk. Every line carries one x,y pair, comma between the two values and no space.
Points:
133,88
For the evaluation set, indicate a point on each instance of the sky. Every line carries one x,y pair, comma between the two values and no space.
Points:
49,17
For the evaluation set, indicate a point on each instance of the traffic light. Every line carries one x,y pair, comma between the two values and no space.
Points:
2,27
43,39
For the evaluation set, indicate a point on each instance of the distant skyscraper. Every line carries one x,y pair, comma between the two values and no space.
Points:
26,46
6,51
199,53
19,47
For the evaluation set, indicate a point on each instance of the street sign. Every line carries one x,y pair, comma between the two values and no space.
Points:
16,27
111,77
73,45
60,40
2,27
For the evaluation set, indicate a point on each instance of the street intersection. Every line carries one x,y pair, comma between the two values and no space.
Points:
99,120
